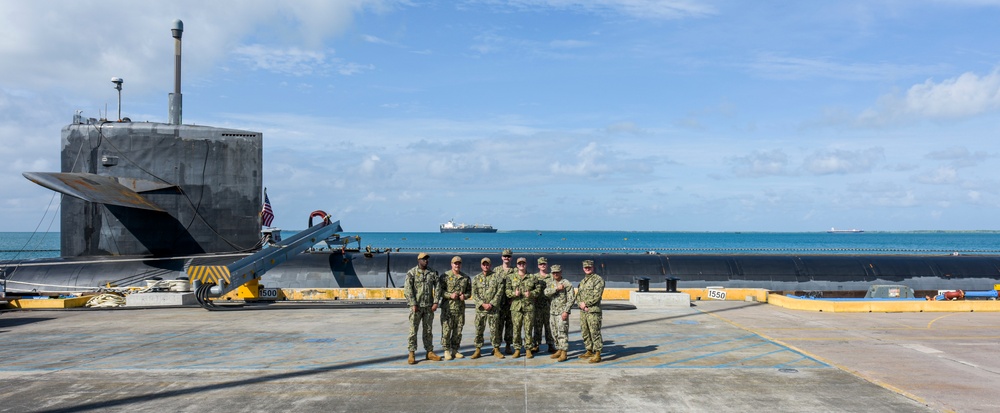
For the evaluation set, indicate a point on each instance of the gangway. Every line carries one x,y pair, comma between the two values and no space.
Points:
213,281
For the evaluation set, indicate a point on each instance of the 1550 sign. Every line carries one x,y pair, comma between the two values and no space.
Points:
717,294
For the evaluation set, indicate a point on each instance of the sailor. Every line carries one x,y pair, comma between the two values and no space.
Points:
487,292
522,288
421,291
542,309
504,271
589,299
560,293
455,289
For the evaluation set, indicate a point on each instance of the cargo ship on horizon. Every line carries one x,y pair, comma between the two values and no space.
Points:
845,231
450,226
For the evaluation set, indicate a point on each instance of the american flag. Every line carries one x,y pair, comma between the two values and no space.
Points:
266,214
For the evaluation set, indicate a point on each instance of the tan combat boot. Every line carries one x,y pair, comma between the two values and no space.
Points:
562,355
587,355
497,353
556,355
596,359
456,354
517,353
432,357
447,354
529,354
412,359
477,354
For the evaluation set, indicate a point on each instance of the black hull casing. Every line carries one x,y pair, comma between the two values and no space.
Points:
355,270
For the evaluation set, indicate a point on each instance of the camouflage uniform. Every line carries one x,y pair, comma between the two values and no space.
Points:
562,301
506,325
542,313
421,290
453,311
590,292
488,288
522,310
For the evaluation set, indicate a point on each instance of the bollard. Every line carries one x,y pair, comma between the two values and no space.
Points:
643,284
672,284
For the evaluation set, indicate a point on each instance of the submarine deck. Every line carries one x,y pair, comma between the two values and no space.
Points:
713,356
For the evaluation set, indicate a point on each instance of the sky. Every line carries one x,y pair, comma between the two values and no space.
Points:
645,115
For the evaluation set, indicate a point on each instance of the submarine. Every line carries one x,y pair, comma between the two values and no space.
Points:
151,200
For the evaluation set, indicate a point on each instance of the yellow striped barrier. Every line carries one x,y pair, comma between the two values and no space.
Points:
883,306
209,274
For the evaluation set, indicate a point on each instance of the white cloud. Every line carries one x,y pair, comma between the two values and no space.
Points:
368,165
348,69
589,162
785,67
760,163
373,39
76,49
941,176
954,152
568,44
776,162
960,156
828,162
624,127
964,96
293,61
410,196
373,167
488,43
900,198
644,9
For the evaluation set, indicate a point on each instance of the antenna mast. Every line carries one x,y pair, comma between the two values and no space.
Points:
176,101
118,86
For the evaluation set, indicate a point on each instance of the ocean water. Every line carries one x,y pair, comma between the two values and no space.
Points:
975,242
24,245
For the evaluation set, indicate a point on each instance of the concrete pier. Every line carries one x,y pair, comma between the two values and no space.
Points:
645,300
713,356
160,299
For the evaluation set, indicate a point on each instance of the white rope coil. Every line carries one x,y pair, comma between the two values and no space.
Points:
106,300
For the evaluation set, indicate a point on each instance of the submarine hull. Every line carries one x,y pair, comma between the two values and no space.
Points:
335,269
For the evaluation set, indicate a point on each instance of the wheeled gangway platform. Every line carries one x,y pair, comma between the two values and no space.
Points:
212,281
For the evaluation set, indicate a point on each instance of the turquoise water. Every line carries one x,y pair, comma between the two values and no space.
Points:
22,245
25,245
978,242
